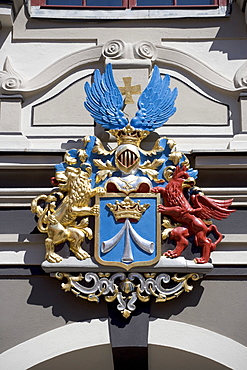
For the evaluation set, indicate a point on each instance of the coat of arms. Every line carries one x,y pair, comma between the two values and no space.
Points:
106,205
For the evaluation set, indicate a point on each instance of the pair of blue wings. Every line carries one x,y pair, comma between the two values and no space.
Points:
105,103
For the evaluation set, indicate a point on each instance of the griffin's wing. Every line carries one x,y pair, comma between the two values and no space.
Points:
104,100
211,208
156,103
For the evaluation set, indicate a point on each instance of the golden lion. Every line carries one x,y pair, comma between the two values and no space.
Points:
60,222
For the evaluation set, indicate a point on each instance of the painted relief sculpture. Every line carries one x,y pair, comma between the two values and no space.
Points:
60,221
192,217
112,196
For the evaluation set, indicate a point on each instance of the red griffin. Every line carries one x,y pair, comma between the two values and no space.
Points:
191,215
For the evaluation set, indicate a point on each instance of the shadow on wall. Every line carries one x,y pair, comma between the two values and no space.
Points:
175,306
47,292
236,25
235,50
72,144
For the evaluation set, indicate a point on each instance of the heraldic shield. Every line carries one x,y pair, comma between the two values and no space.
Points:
125,237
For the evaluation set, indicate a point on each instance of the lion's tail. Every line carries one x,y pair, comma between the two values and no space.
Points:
40,212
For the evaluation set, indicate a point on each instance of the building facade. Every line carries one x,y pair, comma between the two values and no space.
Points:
48,52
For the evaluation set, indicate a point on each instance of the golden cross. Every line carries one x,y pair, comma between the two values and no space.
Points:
128,90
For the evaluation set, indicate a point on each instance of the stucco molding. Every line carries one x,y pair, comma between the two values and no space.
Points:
10,79
197,340
163,333
20,197
240,78
114,49
68,338
11,82
186,63
141,54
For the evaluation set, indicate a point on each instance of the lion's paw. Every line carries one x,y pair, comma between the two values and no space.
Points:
95,210
53,257
81,254
101,191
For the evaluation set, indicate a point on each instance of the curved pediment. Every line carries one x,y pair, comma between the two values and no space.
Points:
140,55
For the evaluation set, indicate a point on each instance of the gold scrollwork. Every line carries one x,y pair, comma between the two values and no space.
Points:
126,289
187,288
149,168
67,286
100,149
105,169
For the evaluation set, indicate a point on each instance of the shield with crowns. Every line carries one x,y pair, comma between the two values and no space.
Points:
125,236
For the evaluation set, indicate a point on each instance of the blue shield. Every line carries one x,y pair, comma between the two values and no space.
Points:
127,230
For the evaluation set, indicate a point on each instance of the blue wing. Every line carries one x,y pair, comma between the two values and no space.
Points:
104,100
156,103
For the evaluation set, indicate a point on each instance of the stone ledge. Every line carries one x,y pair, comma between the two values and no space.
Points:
179,264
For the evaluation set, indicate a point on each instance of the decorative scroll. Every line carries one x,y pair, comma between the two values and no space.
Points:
114,49
146,50
126,289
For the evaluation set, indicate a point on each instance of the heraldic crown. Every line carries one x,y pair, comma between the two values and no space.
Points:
127,209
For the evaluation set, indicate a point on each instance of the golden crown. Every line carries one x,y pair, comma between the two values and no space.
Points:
129,135
128,209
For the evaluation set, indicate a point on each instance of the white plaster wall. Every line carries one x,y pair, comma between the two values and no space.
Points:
33,48
224,56
193,339
32,57
217,46
53,343
199,344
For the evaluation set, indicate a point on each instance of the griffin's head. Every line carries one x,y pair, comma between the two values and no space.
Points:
182,177
189,183
180,174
